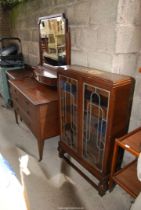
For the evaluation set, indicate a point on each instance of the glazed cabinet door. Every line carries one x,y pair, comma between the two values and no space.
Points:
95,121
68,91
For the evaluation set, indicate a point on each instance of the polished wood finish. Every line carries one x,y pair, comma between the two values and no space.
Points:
23,73
127,176
115,92
37,106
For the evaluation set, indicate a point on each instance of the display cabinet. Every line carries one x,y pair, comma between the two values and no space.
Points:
94,110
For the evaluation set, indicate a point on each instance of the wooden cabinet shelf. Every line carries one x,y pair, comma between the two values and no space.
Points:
127,176
127,179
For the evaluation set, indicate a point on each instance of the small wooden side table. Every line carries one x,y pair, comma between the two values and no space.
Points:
127,176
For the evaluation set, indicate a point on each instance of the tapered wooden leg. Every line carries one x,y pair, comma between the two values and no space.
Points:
40,148
16,117
113,168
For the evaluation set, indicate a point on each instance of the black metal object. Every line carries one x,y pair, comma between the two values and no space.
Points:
11,52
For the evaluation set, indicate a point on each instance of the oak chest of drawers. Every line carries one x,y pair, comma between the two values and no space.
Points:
37,106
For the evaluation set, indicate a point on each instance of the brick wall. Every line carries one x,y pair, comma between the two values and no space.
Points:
105,34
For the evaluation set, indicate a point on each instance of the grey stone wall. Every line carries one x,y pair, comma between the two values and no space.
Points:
105,34
4,23
127,58
92,26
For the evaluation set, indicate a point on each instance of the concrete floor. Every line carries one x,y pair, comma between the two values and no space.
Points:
68,190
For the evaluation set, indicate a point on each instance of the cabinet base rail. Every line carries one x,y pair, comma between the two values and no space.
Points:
102,187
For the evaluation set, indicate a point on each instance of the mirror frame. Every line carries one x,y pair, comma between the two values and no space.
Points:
67,39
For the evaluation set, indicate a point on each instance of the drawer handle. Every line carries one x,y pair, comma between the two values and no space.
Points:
29,124
28,112
27,102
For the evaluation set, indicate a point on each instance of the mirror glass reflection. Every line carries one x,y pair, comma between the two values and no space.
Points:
53,40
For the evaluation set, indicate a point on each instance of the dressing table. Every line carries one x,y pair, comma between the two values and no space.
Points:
34,90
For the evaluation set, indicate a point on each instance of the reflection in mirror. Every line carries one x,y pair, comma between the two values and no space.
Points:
53,43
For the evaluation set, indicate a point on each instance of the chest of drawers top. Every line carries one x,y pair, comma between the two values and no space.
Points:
36,93
19,74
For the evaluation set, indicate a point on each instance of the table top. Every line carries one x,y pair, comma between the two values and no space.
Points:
131,141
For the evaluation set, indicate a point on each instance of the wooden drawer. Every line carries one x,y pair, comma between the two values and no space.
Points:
21,101
13,91
15,105
25,118
28,107
15,95
32,122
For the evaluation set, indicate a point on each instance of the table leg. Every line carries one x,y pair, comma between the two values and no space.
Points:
16,117
40,148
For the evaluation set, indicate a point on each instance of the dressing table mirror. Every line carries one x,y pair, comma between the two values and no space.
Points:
54,45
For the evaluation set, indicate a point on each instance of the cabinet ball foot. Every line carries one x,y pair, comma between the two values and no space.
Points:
61,152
